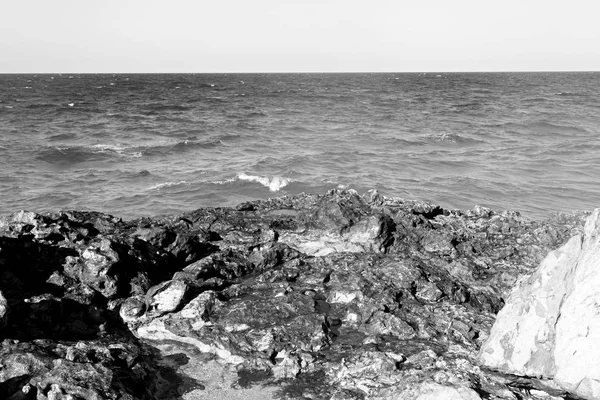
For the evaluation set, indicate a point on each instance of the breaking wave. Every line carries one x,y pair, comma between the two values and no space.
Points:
167,184
274,184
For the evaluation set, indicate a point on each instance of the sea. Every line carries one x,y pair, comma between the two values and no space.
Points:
135,145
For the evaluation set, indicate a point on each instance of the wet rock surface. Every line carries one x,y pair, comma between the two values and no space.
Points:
334,296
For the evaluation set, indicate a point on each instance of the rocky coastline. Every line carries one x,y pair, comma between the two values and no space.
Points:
332,296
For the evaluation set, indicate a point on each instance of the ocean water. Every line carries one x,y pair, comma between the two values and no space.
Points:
137,145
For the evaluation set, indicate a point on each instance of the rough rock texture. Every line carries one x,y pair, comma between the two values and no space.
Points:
550,326
334,296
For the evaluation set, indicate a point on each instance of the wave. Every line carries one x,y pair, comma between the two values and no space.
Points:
537,126
451,138
79,154
301,129
473,105
273,183
159,186
61,136
569,94
124,151
168,107
228,137
222,182
41,105
164,148
193,144
547,127
256,114
400,142
65,155
533,100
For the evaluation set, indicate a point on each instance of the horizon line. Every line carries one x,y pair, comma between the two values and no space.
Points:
298,72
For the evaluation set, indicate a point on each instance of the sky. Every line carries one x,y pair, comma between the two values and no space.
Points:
298,36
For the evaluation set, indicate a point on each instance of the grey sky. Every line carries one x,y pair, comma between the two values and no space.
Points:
298,36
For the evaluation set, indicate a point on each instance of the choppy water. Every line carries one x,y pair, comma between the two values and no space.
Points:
135,145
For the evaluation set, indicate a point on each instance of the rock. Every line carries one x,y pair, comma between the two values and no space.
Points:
315,296
96,270
133,308
201,307
87,370
3,311
166,297
286,367
437,243
341,222
434,391
550,325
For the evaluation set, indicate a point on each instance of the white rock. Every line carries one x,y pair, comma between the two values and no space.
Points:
550,325
157,331
167,296
3,310
435,391
200,306
343,296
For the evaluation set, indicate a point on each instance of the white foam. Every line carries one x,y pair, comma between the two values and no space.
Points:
274,184
109,147
223,182
167,184
120,150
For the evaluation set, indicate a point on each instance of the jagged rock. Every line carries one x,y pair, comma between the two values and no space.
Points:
166,297
3,311
321,296
550,325
341,222
93,369
133,308
434,391
97,261
286,366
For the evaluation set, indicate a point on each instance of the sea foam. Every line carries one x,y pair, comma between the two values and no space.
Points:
167,184
274,184
124,151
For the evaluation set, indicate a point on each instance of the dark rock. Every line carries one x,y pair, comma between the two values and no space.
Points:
334,296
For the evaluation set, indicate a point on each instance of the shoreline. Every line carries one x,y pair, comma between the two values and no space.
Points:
330,296
385,200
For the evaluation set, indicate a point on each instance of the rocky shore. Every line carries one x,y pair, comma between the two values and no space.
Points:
335,296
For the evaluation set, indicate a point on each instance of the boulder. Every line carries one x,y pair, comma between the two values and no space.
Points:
3,310
342,221
550,325
166,297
